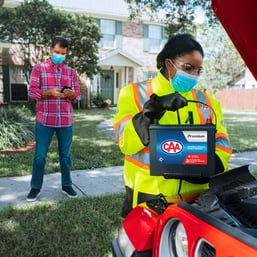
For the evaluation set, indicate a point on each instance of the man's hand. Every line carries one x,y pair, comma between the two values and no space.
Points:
70,93
56,92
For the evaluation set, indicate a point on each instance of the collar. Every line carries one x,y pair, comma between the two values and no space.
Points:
161,85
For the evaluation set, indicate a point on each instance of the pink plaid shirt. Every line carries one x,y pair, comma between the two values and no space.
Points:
52,111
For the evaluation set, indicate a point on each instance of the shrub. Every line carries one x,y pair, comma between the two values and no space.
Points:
98,100
16,127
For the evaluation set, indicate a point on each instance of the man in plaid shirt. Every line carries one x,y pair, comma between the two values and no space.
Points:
55,87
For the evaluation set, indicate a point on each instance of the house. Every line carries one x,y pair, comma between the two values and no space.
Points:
127,51
244,80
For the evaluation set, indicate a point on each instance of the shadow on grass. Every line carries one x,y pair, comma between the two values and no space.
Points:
78,227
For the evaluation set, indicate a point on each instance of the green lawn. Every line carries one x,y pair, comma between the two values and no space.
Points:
89,148
81,227
242,129
92,150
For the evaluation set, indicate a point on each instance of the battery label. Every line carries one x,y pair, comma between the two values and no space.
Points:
181,147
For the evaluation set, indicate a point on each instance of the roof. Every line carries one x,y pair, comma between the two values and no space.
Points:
118,57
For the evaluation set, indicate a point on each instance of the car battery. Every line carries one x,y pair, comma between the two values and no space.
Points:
179,151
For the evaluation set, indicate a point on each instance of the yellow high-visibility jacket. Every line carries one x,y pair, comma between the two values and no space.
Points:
136,165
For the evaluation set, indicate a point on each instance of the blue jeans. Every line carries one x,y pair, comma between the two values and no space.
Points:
43,139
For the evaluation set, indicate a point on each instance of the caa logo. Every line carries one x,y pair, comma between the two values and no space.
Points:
204,107
171,147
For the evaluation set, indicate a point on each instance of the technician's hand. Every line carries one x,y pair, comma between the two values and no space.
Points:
56,92
172,102
69,93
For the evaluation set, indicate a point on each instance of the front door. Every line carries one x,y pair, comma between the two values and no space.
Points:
107,84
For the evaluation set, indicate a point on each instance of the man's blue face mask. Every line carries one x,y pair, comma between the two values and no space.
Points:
58,58
183,81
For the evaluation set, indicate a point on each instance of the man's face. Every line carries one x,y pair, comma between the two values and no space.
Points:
58,50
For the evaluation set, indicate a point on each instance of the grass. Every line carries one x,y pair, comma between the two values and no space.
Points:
85,226
89,148
71,228
92,150
242,127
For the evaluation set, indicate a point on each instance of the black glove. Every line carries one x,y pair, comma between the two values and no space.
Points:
172,102
154,109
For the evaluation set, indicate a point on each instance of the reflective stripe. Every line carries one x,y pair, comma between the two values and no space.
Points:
120,139
117,124
224,149
141,159
142,92
224,143
210,104
149,87
218,135
120,129
200,114
146,150
136,96
137,162
204,113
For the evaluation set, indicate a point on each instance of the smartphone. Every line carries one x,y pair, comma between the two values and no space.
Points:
65,88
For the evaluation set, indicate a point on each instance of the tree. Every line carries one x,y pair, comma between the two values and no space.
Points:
222,62
178,15
32,24
85,36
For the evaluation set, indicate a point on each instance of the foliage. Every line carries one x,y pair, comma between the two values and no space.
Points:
78,227
32,25
222,62
178,15
84,35
99,100
16,128
90,149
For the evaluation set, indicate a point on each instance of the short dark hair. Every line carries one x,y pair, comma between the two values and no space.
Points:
63,42
178,45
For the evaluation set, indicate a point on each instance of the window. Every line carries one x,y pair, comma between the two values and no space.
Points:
108,31
19,92
149,75
155,37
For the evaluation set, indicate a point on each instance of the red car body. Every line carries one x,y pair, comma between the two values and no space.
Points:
221,221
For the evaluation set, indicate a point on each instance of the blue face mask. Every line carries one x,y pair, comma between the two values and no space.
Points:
183,82
58,58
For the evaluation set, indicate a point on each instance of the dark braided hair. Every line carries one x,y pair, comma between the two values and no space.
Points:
178,45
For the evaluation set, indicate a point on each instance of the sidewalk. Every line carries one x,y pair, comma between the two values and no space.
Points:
14,190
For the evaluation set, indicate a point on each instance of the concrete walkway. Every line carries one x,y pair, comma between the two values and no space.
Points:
13,190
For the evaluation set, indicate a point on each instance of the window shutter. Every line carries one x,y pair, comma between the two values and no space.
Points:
118,34
6,83
164,37
146,39
98,22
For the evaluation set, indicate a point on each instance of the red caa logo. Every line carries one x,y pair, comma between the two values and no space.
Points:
171,147
204,107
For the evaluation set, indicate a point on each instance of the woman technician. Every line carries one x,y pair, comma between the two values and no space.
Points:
165,98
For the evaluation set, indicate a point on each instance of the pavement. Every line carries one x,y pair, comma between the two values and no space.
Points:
93,182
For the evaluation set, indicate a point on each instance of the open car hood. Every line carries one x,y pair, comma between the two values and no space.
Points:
239,19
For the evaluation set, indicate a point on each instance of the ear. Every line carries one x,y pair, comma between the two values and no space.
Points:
168,63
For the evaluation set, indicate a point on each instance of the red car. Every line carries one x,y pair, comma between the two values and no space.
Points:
221,221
